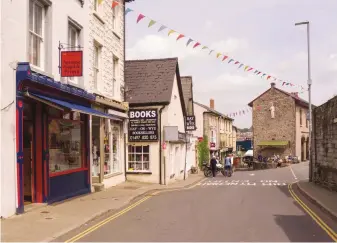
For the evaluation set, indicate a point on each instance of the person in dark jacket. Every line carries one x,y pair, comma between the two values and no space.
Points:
213,165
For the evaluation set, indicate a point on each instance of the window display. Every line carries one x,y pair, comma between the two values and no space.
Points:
116,148
112,148
96,162
107,146
139,158
65,145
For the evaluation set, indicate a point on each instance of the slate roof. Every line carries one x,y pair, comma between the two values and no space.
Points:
187,86
150,81
297,99
213,111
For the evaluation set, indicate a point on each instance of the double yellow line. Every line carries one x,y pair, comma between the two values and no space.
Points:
314,216
120,213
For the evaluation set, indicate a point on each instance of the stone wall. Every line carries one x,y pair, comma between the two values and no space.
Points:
111,38
324,144
282,127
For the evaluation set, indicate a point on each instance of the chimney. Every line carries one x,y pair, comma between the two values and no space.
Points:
272,85
211,104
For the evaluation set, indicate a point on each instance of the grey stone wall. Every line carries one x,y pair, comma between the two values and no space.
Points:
324,144
282,127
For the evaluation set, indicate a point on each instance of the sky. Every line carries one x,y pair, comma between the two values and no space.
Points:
259,33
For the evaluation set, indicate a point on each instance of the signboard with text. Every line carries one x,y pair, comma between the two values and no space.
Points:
190,123
71,64
143,125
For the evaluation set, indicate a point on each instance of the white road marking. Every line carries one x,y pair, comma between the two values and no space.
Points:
292,172
243,183
252,174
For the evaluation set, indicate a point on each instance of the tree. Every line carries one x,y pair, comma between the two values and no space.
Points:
203,151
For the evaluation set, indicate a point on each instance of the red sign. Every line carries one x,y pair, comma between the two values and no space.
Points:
200,139
71,64
212,145
164,145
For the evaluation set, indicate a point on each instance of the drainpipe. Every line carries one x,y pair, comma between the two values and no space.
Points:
160,143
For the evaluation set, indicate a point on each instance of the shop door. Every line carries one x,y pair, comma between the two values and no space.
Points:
28,161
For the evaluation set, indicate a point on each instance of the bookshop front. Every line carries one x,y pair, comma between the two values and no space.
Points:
52,130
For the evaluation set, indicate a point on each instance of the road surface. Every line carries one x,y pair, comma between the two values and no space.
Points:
249,206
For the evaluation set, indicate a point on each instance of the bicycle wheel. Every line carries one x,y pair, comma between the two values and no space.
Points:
208,173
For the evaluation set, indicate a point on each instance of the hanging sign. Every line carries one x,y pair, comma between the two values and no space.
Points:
143,125
190,123
71,63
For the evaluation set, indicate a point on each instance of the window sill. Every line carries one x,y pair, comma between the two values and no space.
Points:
98,16
66,172
113,175
139,172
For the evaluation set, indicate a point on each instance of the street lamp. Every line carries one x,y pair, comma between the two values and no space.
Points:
309,92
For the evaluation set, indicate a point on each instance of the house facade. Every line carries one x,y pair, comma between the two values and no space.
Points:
216,126
234,135
280,124
157,141
106,47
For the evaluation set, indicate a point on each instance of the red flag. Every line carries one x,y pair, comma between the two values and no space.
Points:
224,58
249,69
268,77
258,73
237,62
114,4
196,44
180,36
140,17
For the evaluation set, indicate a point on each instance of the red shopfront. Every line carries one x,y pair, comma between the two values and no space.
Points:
52,130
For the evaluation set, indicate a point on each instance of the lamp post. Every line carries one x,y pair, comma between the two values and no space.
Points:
309,93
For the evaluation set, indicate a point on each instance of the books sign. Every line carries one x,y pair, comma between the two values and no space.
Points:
143,125
71,64
190,123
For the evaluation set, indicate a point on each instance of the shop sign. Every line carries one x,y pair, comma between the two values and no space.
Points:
143,125
190,123
71,63
212,145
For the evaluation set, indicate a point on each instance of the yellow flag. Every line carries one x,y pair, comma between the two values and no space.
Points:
100,1
171,32
217,55
152,22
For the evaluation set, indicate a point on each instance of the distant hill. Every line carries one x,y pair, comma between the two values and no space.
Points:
245,129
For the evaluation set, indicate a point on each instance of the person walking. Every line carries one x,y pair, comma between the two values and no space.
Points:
213,165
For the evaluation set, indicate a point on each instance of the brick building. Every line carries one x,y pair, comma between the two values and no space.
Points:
279,124
324,144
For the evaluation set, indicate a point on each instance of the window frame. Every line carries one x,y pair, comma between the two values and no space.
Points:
31,34
96,65
142,154
73,27
301,119
115,75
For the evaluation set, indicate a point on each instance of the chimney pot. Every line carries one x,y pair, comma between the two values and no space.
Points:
272,84
211,104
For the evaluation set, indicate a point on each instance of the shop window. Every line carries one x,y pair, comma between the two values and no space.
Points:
112,148
114,75
139,158
65,145
97,64
73,40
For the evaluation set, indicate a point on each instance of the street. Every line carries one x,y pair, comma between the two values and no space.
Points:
249,206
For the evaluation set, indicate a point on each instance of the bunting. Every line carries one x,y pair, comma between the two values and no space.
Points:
100,2
197,43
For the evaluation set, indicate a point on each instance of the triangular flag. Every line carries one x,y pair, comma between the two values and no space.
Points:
170,32
100,1
128,10
210,52
255,71
196,44
224,58
218,54
258,73
162,28
189,41
240,65
231,60
114,4
180,36
274,79
268,77
237,62
263,75
205,47
249,69
243,112
283,83
152,22
140,17
246,67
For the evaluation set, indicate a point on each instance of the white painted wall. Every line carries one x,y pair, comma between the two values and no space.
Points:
14,48
301,130
199,120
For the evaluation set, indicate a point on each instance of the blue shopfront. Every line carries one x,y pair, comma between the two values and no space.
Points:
52,131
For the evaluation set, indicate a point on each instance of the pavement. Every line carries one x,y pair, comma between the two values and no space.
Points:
46,223
249,206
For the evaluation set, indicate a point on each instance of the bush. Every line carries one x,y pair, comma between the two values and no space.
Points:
203,151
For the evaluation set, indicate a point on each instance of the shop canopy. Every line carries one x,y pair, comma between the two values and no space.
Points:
60,104
273,143
249,153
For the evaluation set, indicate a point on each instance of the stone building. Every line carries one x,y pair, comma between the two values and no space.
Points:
280,124
324,145
216,126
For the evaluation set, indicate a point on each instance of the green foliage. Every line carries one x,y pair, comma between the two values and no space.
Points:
203,151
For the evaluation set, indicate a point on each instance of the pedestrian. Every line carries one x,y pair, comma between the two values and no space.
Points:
228,164
213,165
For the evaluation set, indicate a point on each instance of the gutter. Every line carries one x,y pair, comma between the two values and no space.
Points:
160,143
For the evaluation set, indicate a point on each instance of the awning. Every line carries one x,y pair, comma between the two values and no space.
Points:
60,104
273,143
